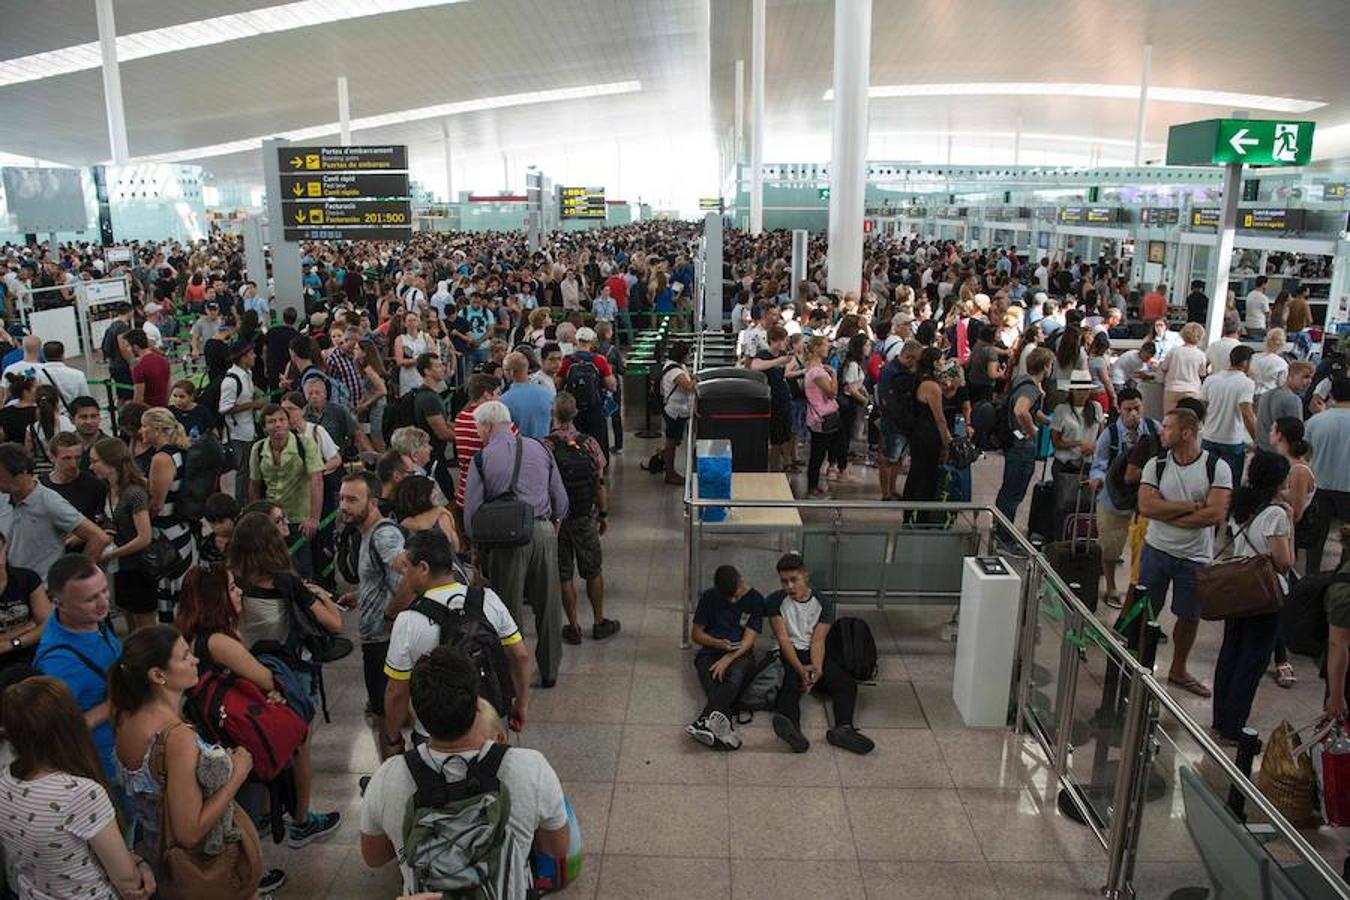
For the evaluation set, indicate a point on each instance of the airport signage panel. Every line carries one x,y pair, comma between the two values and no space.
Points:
324,233
1005,213
951,212
1253,142
343,186
389,157
330,213
1159,215
1333,191
1253,219
713,203
1089,215
1045,214
582,202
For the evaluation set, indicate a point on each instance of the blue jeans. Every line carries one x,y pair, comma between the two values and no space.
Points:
1158,571
1019,465
1233,454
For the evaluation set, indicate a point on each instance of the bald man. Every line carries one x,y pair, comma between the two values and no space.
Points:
530,404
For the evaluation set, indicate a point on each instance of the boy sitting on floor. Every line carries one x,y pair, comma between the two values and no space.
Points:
730,615
801,619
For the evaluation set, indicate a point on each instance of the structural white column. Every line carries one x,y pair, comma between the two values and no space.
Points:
344,111
711,312
800,239
1143,105
618,170
757,116
449,168
1223,251
738,150
848,157
506,174
949,148
1017,143
112,82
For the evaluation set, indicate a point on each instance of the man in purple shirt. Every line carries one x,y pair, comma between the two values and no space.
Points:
530,571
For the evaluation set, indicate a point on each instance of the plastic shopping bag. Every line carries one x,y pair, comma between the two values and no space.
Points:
1331,762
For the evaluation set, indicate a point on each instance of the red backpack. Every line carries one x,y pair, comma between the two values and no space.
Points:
874,364
234,712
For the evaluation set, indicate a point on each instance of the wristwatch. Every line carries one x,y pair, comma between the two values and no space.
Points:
16,643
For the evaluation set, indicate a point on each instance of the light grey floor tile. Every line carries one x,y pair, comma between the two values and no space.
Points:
904,824
755,880
663,878
814,811
663,754
668,820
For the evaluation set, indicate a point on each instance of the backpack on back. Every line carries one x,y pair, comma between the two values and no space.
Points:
456,835
203,463
1124,496
584,384
338,393
851,644
469,630
347,550
1303,618
402,412
578,474
898,399
234,712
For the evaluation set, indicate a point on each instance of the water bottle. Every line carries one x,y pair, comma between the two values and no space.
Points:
960,428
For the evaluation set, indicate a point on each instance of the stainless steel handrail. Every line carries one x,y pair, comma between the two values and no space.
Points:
1079,616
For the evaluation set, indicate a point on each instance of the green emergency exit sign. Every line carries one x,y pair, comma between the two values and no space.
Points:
1253,142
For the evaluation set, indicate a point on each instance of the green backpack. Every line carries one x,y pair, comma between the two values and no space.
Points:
456,836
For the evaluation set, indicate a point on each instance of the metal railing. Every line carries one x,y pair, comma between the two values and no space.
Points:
1054,619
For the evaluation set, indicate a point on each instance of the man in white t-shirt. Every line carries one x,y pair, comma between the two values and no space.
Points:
69,382
1218,350
429,573
1258,307
1184,495
444,691
236,407
1230,411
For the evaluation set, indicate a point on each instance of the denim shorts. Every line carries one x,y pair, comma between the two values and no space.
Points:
893,444
1157,570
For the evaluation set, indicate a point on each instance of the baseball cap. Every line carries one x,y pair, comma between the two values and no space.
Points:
586,335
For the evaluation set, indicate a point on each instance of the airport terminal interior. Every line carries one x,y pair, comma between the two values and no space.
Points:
642,449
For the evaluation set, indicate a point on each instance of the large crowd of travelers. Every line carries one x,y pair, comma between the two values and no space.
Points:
423,448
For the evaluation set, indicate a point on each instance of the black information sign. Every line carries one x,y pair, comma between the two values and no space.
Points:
1205,217
343,186
1253,219
1333,191
582,202
1159,215
331,213
374,233
1090,215
343,159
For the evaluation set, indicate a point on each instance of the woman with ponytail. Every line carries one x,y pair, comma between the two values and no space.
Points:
1263,527
70,842
164,435
1286,436
50,420
162,762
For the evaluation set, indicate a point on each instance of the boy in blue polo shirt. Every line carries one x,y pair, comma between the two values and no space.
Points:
730,615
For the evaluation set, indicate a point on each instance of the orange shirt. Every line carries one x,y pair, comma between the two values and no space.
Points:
1153,306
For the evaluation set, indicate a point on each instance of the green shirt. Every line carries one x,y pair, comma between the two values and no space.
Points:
286,483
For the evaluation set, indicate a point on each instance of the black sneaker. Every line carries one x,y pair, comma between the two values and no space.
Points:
699,731
846,737
571,634
788,731
272,881
318,825
602,630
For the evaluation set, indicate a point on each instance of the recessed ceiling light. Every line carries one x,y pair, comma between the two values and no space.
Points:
1104,91
440,110
202,33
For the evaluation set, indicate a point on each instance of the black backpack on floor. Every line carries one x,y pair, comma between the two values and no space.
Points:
851,644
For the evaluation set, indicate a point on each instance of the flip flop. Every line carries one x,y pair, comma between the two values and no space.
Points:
1191,684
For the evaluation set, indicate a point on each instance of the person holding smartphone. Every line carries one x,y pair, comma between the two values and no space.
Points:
730,615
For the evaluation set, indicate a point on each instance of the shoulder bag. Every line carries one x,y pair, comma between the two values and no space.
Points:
504,520
230,875
1238,587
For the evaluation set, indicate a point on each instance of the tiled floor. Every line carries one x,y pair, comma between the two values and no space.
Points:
937,811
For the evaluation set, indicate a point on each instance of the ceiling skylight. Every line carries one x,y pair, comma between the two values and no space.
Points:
440,110
1105,91
202,33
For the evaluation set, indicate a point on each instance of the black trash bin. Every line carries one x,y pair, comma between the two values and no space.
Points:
731,372
736,408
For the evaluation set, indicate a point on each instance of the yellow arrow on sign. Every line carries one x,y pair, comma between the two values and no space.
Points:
296,162
300,217
297,189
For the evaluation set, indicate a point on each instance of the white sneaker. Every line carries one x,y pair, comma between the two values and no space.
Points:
722,730
699,731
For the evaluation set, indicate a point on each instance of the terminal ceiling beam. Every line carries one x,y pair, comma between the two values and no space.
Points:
757,116
112,82
848,156
1143,105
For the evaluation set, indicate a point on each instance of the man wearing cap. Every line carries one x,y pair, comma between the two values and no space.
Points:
207,327
590,410
236,407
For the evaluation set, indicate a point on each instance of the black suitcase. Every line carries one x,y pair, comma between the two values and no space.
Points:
1080,563
1041,520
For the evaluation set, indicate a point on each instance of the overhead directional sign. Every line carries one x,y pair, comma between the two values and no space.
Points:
1253,219
582,202
343,159
1253,142
373,233
1159,215
714,203
343,186
331,213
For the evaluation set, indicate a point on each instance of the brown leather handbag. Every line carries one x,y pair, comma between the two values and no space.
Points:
1238,587
232,874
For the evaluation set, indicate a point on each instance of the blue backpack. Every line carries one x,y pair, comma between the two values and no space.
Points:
338,393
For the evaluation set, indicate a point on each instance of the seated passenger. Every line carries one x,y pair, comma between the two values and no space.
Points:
730,615
801,619
70,845
444,691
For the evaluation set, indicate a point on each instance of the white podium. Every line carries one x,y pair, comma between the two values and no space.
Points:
986,640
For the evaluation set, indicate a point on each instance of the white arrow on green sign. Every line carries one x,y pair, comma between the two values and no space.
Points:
1253,142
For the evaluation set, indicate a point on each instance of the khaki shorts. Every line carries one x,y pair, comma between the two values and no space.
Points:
1113,530
579,539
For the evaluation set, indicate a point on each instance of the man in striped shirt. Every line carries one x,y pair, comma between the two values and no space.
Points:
480,389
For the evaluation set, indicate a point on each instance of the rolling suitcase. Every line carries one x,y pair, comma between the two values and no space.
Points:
1077,556
1041,519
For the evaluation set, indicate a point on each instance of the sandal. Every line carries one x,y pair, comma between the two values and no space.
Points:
1115,601
1191,684
1284,675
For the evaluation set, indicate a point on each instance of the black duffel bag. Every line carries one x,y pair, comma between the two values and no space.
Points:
503,520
